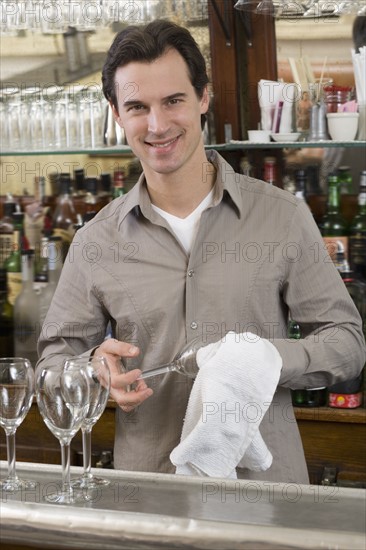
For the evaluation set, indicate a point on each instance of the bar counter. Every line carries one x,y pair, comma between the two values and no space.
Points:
160,511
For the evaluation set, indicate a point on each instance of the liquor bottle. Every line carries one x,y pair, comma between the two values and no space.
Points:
333,226
348,394
300,184
270,170
26,312
6,231
55,263
79,182
105,184
41,264
13,264
345,180
358,232
64,216
6,319
92,201
34,215
118,184
308,397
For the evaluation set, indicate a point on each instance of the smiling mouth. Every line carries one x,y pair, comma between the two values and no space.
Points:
162,145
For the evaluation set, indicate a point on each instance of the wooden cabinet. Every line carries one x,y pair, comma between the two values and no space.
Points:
334,438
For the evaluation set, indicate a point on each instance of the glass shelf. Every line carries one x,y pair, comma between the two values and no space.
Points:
233,146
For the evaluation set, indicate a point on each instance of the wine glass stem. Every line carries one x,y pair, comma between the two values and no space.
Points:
169,367
87,451
65,461
10,447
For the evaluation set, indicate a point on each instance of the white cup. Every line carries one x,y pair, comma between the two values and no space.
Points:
259,136
342,126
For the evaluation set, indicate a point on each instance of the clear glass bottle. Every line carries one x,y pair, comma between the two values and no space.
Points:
55,263
6,319
358,232
26,312
333,226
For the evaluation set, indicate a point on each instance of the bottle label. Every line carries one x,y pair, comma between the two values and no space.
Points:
14,286
6,246
65,234
333,244
358,249
345,401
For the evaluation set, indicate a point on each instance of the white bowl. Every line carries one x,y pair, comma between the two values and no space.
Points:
259,136
282,138
342,126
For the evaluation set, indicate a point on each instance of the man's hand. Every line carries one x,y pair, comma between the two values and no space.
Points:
113,350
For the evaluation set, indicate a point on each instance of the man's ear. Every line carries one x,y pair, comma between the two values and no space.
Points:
115,114
205,101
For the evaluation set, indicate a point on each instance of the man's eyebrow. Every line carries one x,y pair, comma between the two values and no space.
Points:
133,102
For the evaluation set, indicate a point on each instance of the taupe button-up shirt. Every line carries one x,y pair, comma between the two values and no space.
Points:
257,257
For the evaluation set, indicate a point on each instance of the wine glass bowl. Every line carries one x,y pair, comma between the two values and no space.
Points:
185,362
16,394
62,398
98,379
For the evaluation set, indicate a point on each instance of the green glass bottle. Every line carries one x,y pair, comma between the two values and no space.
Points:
118,184
358,233
333,226
345,181
6,319
308,397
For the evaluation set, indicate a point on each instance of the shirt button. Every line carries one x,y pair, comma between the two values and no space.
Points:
190,273
194,325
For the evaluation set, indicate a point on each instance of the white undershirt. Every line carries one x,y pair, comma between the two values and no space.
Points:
185,228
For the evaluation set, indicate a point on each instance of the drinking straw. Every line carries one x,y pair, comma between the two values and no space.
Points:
321,79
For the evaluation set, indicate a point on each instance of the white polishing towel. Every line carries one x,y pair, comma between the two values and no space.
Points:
233,389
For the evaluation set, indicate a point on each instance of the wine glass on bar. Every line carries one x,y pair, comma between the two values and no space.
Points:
63,400
16,394
98,378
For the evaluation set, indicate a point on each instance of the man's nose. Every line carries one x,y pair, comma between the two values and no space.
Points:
157,121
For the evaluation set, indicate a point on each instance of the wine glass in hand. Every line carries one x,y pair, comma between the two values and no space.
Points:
16,393
98,378
186,361
63,397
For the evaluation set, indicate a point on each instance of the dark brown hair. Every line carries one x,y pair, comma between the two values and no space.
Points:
147,43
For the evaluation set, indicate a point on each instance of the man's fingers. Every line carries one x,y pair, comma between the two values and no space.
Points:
120,381
129,400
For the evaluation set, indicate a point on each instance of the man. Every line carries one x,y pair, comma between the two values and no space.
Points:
194,249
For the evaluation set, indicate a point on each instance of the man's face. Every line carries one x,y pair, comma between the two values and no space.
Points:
160,112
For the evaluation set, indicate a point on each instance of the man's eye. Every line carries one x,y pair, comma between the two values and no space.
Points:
135,108
174,101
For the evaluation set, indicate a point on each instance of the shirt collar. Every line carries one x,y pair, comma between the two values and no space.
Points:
227,182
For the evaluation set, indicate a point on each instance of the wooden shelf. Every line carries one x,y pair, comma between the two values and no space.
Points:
329,414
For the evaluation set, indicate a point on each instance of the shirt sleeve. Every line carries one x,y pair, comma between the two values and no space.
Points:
332,347
76,320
